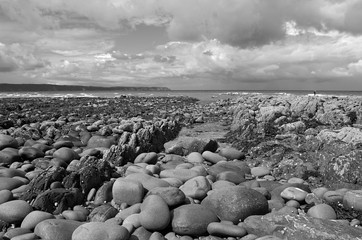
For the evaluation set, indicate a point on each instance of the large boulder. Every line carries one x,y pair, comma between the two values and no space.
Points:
299,227
236,203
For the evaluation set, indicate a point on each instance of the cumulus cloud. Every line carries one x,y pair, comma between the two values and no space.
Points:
16,56
236,22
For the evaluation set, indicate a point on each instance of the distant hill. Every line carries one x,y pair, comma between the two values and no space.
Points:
5,87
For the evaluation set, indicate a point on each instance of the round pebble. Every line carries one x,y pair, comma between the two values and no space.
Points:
260,171
322,211
353,200
196,187
14,211
128,191
293,193
155,214
100,230
212,157
225,230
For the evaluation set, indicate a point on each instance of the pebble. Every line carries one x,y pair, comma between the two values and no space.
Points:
9,155
56,229
293,193
192,219
225,230
9,183
223,202
74,215
182,174
5,196
173,196
353,200
231,153
155,214
322,211
333,197
148,182
7,141
260,171
14,211
123,214
26,236
195,158
65,154
196,187
30,153
149,157
231,176
133,219
35,217
10,172
13,232
100,230
128,191
213,157
222,184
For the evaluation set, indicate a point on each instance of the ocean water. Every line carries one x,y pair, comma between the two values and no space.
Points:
202,95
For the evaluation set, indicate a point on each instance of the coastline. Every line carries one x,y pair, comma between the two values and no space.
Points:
277,147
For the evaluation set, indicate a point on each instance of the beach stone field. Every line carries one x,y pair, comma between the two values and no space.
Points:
251,167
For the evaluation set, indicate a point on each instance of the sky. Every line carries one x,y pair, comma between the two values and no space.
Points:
183,44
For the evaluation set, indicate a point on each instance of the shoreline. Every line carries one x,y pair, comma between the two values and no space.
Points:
288,154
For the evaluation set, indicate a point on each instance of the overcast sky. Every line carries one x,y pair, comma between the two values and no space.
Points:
183,44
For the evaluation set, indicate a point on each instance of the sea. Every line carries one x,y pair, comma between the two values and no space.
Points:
202,95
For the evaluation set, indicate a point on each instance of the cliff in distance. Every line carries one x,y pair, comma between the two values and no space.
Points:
5,87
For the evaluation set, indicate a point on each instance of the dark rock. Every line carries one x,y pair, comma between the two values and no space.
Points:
102,213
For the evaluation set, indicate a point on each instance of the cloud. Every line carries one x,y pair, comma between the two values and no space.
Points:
235,22
16,56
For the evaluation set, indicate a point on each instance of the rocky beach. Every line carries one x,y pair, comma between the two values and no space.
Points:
252,167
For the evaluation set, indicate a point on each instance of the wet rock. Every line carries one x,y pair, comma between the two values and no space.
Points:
99,230
14,211
173,196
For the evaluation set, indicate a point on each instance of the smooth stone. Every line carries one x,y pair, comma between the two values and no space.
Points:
30,153
137,169
148,181
10,172
231,176
26,236
57,162
82,209
213,157
184,165
63,143
288,210
182,174
222,184
65,154
333,197
201,171
7,141
225,230
231,153
295,180
141,233
133,219
74,215
319,192
14,211
149,157
100,230
173,196
56,229
104,193
127,191
155,214
293,193
196,187
154,169
9,156
192,219
259,171
293,203
322,211
5,195
157,236
174,182
123,214
236,203
195,157
239,167
13,232
353,200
